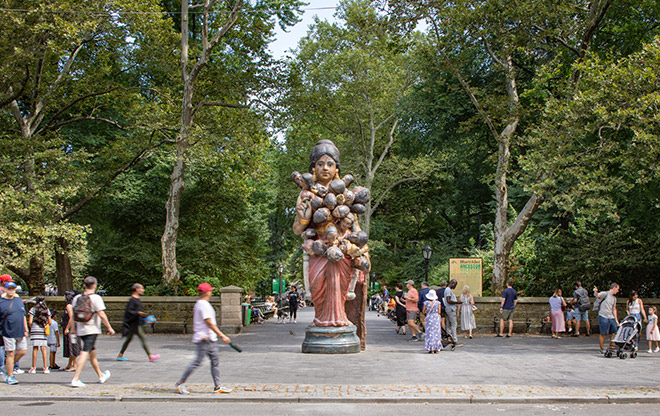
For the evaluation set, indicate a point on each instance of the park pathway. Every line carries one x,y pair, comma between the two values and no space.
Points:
272,368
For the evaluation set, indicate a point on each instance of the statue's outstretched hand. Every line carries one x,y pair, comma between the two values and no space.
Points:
303,206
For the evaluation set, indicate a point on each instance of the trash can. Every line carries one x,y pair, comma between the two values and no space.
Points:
247,313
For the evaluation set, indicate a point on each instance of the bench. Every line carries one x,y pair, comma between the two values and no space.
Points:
116,325
527,322
183,323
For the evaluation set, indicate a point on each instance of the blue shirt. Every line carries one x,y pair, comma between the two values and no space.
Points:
510,295
14,323
422,297
386,295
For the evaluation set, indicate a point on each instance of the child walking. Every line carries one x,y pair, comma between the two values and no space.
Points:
652,332
53,340
38,321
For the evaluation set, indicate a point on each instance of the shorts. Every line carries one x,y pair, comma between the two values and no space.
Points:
39,342
89,342
581,316
507,314
52,347
570,315
607,326
411,315
14,344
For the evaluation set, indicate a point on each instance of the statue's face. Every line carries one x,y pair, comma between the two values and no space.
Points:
325,169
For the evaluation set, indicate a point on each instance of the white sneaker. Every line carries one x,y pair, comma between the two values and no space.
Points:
656,349
19,371
180,388
46,371
77,383
3,376
104,377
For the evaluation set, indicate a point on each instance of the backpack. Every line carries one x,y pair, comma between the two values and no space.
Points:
83,311
584,303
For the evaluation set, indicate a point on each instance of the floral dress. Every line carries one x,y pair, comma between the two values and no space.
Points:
432,336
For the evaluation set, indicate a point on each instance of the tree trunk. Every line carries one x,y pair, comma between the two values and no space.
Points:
35,280
177,179
500,268
63,266
168,241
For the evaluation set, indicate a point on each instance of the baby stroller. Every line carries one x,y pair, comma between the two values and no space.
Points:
447,339
626,339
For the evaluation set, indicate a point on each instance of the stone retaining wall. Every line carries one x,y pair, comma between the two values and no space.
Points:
536,309
172,309
178,308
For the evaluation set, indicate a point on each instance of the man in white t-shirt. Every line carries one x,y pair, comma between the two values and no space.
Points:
451,306
205,336
88,331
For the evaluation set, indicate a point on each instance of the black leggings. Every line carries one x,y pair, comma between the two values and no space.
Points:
294,312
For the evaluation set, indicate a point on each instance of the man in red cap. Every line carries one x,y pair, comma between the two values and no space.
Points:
4,279
205,336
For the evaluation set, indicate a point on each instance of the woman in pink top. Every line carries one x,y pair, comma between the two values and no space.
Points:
557,314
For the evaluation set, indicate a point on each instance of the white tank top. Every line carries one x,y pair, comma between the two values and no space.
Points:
634,307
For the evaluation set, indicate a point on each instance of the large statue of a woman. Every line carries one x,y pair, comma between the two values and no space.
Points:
326,218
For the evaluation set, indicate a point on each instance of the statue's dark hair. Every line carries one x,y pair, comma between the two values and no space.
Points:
324,147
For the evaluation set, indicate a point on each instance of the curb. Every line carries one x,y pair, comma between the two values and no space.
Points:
613,399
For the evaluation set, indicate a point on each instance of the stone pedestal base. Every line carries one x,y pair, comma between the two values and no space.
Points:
331,340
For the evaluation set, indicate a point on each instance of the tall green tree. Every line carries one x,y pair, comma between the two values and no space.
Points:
66,64
232,46
512,42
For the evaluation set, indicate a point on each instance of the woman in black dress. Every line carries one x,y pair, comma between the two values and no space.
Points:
400,309
70,350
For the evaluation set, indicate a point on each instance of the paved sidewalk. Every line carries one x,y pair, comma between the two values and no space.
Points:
486,369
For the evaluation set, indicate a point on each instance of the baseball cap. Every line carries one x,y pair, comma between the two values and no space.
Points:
204,287
10,285
6,278
410,282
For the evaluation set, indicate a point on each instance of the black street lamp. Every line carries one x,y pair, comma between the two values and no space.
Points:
426,252
281,269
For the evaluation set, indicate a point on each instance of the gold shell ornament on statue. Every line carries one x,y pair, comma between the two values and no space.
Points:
330,201
298,179
359,238
349,197
341,211
348,180
307,247
358,208
310,234
321,215
361,263
362,195
331,233
319,248
316,203
334,254
337,186
320,190
308,178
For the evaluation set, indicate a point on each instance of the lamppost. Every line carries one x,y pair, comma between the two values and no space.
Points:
281,269
426,252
